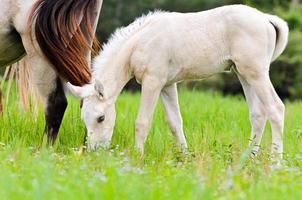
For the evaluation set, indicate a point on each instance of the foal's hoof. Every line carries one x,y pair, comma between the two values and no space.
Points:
276,166
82,150
253,155
276,163
99,145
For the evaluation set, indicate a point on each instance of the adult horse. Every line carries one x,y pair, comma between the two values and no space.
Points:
57,37
163,48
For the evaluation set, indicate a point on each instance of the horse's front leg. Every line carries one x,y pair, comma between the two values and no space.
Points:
54,111
53,96
151,88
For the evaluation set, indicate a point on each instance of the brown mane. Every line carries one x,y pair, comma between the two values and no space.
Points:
64,30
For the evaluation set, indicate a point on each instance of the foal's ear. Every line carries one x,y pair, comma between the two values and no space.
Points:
80,92
99,88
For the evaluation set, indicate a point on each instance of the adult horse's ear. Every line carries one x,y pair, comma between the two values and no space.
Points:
80,92
99,88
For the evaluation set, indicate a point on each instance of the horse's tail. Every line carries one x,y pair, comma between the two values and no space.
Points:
282,32
64,31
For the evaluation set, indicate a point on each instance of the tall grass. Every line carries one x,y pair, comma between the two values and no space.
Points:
217,131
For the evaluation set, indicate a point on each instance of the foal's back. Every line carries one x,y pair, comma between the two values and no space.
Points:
196,45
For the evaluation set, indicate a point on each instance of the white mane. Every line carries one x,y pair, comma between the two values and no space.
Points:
123,34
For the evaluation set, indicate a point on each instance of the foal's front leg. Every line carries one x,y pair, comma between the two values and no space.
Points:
171,106
151,88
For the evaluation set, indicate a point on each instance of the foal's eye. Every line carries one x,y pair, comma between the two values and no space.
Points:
101,119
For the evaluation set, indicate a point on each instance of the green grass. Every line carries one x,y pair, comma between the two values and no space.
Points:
217,130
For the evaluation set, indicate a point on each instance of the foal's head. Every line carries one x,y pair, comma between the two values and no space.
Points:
98,114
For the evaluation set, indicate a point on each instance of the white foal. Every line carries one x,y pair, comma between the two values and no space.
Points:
164,48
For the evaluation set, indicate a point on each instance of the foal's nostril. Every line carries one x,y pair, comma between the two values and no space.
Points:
85,137
101,119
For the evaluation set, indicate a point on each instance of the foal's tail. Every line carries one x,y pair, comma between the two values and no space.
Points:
64,31
282,31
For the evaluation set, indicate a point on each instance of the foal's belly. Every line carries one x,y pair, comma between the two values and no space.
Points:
197,71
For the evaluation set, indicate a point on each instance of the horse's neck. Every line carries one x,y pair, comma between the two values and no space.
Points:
97,13
98,8
9,9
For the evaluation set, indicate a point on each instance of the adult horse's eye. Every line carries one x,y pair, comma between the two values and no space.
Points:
101,119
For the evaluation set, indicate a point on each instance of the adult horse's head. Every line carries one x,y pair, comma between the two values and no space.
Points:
97,112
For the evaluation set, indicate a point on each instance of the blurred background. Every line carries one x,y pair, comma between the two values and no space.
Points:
286,72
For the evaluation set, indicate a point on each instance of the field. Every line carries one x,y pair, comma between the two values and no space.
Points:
218,167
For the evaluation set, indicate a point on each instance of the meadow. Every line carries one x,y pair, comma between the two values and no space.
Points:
218,166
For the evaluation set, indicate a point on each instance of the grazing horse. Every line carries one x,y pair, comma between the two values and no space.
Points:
57,37
163,48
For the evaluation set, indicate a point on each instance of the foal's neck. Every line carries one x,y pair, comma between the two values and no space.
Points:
114,75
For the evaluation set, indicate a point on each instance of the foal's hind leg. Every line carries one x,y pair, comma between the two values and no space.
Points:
171,106
258,79
257,115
